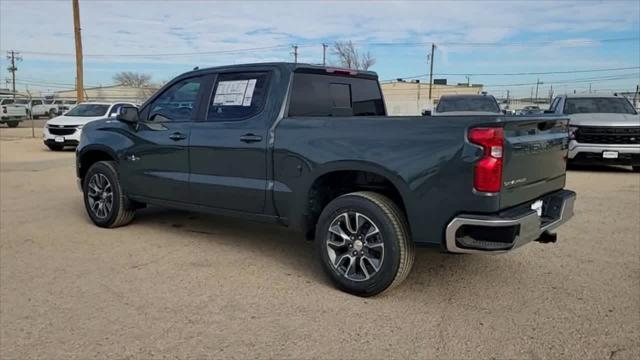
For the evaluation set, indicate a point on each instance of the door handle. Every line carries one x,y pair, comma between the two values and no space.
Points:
249,138
176,136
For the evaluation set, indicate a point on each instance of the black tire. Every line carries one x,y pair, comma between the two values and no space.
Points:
53,147
13,124
636,168
398,248
122,210
35,117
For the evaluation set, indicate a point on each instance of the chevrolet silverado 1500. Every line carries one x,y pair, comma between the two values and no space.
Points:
311,148
603,129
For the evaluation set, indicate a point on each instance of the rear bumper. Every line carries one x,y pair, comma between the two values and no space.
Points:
510,229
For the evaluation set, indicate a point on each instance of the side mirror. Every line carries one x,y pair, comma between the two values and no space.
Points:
128,114
504,112
426,112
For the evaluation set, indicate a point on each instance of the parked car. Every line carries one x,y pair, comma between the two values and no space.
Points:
603,129
63,106
38,107
65,130
11,113
456,105
531,110
311,148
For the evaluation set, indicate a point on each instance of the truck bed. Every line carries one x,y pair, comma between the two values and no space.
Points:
428,159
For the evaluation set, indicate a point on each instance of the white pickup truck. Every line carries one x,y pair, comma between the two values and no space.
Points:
11,113
39,107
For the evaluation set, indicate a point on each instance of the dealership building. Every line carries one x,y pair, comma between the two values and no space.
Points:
404,97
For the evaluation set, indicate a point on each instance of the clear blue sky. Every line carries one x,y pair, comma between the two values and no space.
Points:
533,36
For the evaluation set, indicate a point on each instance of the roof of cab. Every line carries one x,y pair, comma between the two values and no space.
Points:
288,66
570,96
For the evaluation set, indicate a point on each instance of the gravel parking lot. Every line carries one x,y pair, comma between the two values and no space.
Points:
178,284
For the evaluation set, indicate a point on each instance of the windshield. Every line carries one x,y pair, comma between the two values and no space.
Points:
598,105
88,110
22,101
471,103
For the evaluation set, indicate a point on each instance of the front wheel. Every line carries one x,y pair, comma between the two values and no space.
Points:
104,199
363,242
13,124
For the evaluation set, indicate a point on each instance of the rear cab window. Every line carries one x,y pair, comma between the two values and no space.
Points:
468,103
318,93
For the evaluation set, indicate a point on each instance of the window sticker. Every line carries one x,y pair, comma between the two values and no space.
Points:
234,93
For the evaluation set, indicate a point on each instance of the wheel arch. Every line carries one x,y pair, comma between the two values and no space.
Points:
91,155
336,179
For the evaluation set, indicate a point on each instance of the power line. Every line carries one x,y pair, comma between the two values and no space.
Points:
565,42
517,73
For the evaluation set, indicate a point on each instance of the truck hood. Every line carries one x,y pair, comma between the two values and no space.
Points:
73,120
604,119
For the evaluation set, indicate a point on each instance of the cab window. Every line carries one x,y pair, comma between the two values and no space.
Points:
238,96
178,102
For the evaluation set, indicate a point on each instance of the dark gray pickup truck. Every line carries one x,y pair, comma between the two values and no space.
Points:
312,148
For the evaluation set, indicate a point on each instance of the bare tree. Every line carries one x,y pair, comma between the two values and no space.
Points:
132,79
349,57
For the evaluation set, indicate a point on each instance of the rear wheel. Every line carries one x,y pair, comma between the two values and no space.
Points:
636,168
363,242
13,124
104,199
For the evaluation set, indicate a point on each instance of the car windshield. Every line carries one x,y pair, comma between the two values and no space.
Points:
88,110
598,105
470,103
22,101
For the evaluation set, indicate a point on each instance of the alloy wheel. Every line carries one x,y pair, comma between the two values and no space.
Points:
355,246
100,195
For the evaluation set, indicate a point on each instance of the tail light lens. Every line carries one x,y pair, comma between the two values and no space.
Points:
488,170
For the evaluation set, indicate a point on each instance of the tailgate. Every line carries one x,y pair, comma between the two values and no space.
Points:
535,158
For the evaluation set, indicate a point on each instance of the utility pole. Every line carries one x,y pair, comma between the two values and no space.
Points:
78,37
295,53
13,56
589,88
468,80
324,54
538,83
433,49
531,98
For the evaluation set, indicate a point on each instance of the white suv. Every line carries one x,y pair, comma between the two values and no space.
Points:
65,130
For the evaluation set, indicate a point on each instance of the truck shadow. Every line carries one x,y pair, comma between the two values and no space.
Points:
271,243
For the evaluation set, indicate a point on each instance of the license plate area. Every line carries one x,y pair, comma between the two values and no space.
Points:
537,207
59,139
609,154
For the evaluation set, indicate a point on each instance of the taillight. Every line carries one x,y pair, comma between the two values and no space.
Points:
341,71
488,170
